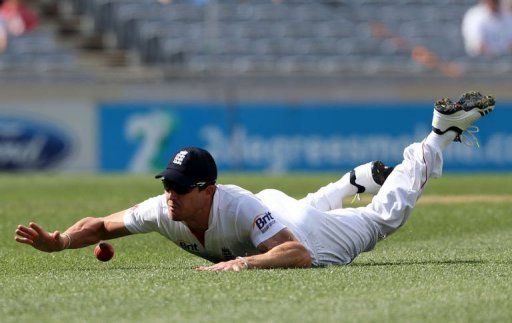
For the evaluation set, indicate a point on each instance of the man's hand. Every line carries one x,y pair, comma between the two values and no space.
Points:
280,251
40,239
231,265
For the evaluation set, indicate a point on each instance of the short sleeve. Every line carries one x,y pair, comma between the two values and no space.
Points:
255,219
144,217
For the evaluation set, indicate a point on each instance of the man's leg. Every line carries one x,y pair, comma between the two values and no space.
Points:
391,207
367,178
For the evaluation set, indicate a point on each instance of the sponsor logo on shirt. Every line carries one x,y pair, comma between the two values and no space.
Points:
264,222
227,254
190,247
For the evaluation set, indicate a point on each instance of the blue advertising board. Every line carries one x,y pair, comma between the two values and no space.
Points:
31,144
140,137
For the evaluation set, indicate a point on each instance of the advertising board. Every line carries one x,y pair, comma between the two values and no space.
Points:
140,137
47,135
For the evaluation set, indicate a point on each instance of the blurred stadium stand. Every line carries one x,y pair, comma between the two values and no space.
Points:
145,39
352,37
34,53
143,56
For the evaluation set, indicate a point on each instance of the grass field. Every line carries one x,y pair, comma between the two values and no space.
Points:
450,262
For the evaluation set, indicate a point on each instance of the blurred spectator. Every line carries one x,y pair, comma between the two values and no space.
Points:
18,18
3,36
507,6
487,29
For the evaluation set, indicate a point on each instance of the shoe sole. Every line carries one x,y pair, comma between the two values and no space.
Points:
463,110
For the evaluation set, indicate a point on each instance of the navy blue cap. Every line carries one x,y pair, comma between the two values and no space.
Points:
190,166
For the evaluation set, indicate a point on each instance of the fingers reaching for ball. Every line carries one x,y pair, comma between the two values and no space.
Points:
35,236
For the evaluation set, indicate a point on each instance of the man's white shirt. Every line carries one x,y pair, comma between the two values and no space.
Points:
240,221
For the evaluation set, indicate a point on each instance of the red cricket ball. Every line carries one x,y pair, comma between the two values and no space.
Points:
104,251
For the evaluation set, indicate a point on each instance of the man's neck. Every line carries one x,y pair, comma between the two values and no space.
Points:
199,227
200,223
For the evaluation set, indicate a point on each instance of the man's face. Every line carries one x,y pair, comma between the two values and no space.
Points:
186,206
494,5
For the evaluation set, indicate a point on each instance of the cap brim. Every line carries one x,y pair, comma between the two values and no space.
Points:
175,176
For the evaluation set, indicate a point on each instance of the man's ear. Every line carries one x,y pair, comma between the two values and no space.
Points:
210,189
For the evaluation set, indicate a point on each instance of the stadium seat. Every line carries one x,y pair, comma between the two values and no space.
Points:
297,35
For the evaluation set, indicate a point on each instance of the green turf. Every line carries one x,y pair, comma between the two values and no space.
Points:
448,263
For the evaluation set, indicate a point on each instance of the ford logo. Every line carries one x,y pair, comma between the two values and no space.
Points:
27,144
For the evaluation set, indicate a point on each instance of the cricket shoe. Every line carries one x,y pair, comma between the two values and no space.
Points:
368,178
459,116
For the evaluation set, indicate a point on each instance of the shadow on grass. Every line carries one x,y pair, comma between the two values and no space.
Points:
128,268
182,267
420,262
359,264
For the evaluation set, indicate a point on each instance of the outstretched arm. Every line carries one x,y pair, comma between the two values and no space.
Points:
283,250
85,232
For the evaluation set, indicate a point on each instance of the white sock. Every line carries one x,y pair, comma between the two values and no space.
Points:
331,196
345,187
440,141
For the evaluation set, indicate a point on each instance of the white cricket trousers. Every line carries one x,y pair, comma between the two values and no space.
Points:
392,206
